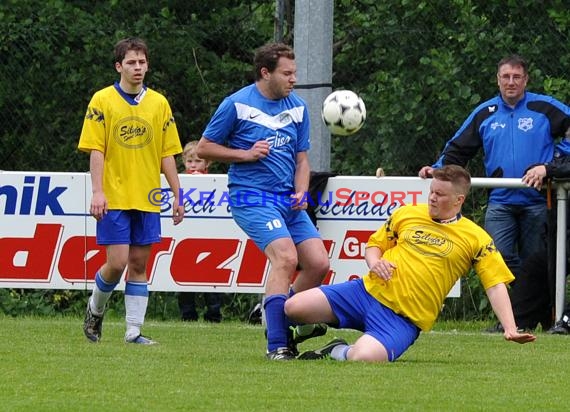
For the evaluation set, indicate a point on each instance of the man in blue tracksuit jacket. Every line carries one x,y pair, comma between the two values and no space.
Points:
515,129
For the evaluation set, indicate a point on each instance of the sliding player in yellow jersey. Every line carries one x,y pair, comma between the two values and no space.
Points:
414,259
131,137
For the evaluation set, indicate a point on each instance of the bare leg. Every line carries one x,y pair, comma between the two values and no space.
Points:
310,306
367,349
314,262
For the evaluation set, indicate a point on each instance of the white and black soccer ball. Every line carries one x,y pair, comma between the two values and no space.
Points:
343,112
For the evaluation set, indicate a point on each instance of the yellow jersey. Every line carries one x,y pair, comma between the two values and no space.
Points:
430,257
134,134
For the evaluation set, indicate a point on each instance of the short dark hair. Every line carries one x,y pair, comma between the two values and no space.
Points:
268,55
130,43
458,176
513,60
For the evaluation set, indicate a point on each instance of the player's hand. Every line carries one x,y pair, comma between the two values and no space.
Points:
383,269
259,150
98,207
299,201
535,176
177,212
425,172
518,337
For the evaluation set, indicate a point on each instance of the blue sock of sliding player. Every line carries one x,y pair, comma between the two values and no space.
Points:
276,322
289,321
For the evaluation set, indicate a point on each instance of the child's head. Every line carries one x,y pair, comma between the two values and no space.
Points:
192,163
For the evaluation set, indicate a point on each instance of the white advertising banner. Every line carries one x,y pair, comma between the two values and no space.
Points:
47,237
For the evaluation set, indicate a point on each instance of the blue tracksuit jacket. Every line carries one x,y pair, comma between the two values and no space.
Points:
512,140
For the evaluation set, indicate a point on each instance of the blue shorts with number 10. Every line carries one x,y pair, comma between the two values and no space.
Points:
266,217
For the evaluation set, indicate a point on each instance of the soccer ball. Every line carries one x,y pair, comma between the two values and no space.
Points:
343,112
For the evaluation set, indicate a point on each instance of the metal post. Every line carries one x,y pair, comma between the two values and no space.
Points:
279,20
562,188
562,200
313,54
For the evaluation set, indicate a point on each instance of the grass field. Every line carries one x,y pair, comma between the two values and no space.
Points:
48,365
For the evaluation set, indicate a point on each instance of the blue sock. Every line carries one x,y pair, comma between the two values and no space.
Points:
102,284
101,293
291,293
276,322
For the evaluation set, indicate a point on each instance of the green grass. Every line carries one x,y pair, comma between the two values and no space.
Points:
46,364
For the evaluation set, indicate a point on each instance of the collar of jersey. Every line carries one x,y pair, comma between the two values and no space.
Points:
129,98
450,220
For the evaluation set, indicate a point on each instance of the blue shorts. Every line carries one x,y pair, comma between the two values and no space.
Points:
265,220
128,227
355,308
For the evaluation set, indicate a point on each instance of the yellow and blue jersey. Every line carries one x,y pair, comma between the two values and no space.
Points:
430,257
134,134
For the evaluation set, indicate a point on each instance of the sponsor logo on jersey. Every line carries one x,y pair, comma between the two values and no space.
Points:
133,133
428,241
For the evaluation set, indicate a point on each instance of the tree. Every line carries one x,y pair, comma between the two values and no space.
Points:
421,67
58,53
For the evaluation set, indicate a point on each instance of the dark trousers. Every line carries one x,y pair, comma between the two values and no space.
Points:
530,294
533,291
187,303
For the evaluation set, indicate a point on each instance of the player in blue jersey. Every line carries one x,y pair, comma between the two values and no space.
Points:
262,130
515,129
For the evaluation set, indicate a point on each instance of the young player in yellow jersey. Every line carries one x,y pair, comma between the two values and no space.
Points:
131,137
414,259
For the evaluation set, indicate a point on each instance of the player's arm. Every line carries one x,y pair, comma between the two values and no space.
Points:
378,243
376,264
302,177
501,303
168,167
213,151
98,207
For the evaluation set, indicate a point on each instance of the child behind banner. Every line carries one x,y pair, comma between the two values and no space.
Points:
187,301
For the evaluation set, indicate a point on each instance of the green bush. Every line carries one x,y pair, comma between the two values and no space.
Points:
161,305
